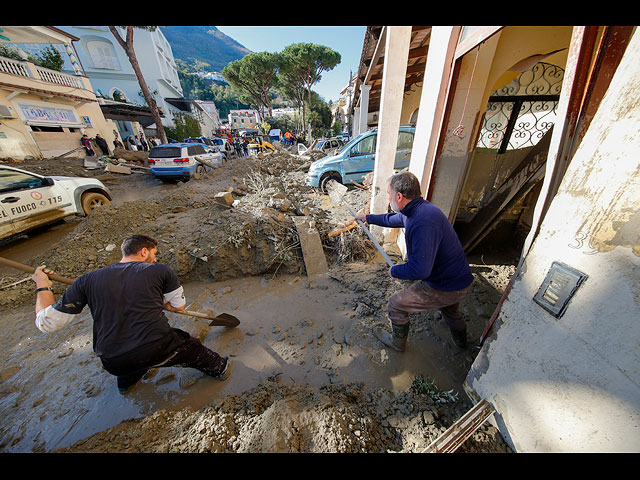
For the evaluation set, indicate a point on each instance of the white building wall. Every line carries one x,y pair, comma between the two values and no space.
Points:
572,384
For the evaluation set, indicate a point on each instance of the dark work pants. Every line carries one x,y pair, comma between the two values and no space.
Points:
178,349
420,297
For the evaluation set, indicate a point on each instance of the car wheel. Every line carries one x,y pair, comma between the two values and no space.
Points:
200,172
93,200
326,177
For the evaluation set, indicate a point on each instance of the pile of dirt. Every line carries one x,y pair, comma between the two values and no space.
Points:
199,237
274,418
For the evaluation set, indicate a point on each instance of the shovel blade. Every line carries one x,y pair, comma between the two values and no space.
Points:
224,320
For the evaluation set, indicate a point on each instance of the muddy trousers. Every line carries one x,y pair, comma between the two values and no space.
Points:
420,297
179,349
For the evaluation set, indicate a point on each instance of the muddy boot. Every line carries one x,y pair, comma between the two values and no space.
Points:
396,340
226,373
459,337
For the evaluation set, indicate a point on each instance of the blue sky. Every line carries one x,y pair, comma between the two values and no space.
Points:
346,40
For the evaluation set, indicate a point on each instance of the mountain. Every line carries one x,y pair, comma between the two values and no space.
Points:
206,44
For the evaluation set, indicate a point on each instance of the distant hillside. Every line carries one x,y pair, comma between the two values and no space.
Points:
206,44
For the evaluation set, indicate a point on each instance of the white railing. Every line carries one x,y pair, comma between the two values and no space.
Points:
14,67
53,76
29,70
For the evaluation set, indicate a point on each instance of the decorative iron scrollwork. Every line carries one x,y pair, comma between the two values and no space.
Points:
519,114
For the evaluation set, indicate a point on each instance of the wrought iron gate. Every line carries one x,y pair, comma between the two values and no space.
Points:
519,114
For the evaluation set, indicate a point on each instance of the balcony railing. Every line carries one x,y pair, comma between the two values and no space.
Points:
29,70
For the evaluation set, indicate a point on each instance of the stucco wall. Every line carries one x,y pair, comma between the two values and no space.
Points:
572,384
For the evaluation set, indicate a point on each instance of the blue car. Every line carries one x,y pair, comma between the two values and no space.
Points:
357,158
176,161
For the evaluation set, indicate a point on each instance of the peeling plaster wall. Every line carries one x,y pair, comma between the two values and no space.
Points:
572,384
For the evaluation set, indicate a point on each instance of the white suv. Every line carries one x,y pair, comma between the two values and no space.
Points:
177,161
28,200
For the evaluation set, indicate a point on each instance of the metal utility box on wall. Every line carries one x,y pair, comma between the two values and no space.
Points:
558,287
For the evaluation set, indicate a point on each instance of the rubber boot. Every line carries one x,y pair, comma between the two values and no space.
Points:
226,373
397,340
459,337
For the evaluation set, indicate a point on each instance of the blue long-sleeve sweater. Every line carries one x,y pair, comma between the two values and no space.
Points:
434,252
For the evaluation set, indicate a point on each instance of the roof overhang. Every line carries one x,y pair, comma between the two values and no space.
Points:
183,104
371,66
127,112
34,34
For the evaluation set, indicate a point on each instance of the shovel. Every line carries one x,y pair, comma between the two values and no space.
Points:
222,320
336,191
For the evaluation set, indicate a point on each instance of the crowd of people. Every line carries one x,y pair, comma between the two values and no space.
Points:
237,145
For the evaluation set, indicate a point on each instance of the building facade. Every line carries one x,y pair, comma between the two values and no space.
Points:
112,75
44,113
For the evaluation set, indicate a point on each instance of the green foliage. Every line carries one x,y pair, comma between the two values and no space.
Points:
253,77
427,386
185,127
49,57
204,47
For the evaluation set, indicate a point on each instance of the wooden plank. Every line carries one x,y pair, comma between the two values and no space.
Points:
314,260
460,431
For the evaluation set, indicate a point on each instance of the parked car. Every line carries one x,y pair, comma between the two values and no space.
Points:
29,200
357,158
215,143
326,145
176,161
223,145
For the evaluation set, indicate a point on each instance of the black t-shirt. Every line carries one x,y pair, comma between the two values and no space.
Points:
126,303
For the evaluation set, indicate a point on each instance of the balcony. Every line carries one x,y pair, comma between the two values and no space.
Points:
34,72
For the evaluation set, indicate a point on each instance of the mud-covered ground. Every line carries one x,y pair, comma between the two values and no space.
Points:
308,374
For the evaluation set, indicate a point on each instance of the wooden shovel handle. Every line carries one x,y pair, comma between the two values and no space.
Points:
28,269
225,319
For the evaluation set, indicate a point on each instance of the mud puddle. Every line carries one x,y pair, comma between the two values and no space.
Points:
293,331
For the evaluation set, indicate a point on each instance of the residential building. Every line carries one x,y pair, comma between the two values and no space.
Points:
527,136
212,111
44,113
243,119
113,78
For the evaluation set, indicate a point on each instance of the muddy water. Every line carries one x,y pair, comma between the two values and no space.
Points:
291,330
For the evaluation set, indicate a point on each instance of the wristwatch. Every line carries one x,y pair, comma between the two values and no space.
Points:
42,289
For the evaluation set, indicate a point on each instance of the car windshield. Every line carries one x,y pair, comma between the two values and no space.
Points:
165,152
348,145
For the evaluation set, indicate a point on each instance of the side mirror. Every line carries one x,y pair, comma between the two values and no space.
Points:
47,181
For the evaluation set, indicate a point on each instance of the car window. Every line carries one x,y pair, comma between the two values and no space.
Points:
405,140
195,150
165,152
366,146
11,180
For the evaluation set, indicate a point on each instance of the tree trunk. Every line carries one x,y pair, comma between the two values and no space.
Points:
131,54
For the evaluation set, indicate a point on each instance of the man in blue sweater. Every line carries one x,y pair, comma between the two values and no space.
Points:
435,259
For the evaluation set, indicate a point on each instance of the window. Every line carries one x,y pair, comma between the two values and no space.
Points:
11,181
103,55
366,146
405,140
165,152
195,150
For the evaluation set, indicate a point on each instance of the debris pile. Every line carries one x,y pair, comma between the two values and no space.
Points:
275,418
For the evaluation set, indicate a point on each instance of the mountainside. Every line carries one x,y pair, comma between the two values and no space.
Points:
206,44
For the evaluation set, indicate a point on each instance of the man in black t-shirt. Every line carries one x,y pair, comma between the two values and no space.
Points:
131,333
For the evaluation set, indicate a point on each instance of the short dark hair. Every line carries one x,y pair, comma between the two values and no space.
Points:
407,184
134,243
